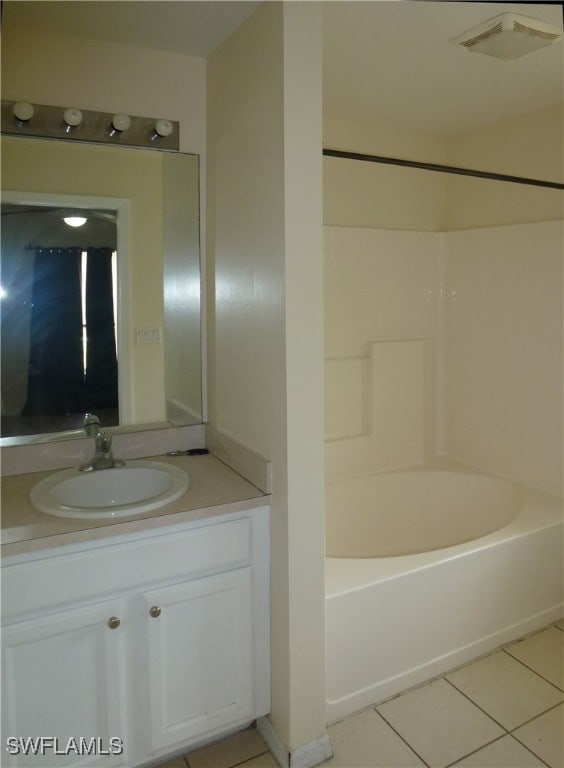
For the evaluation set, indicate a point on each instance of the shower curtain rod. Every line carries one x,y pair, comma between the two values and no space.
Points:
440,168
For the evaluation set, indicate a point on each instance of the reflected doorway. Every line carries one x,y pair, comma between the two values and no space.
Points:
59,318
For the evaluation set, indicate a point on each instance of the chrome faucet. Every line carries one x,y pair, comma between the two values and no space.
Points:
103,457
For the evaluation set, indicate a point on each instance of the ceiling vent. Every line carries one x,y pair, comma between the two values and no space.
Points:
509,36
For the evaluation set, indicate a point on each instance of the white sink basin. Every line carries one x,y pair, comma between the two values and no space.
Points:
137,487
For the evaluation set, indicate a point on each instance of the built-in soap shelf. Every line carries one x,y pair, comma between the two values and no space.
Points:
380,406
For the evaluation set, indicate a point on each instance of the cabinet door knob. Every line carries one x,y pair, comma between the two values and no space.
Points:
113,622
155,611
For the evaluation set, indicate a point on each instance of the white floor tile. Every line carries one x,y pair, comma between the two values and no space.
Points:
503,753
439,723
544,653
366,741
226,753
505,689
262,761
545,736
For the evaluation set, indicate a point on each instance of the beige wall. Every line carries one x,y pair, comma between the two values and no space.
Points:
372,195
304,370
531,145
265,319
361,194
75,70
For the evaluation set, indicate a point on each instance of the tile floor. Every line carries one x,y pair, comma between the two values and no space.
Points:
504,710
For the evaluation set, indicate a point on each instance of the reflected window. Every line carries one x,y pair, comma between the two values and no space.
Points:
83,298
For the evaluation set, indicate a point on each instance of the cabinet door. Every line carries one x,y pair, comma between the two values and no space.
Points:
62,688
200,656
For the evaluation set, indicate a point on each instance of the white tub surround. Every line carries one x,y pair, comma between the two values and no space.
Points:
448,343
503,351
381,347
394,622
439,343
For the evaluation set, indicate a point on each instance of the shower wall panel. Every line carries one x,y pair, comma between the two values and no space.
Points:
445,343
381,319
503,362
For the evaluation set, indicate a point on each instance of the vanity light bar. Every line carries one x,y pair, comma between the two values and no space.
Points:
20,118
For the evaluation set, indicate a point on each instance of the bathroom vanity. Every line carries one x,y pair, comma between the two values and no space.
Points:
131,640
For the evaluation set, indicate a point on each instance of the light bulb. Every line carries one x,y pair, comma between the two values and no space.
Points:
163,128
121,122
72,117
23,111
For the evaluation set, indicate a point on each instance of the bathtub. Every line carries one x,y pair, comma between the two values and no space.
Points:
428,569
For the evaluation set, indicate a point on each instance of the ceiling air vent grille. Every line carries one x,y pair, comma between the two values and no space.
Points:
509,36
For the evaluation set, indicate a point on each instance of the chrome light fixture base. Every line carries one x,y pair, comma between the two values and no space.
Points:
73,124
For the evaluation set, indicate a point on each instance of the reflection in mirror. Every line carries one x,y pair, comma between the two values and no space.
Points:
120,333
59,331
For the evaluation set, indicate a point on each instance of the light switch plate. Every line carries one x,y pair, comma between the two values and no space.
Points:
147,335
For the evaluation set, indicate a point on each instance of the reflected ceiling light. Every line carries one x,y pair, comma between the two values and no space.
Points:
509,36
75,221
72,117
23,111
120,123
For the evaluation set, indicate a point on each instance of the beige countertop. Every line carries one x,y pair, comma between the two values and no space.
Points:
214,490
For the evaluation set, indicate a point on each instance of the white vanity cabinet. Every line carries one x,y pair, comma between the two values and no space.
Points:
138,646
49,662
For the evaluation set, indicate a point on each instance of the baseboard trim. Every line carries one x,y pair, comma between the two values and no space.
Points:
273,742
309,755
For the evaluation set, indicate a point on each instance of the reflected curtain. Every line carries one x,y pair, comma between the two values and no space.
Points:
101,382
56,370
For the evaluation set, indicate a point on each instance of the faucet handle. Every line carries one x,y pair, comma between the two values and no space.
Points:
91,424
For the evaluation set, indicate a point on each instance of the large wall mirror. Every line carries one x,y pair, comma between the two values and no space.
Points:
103,317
